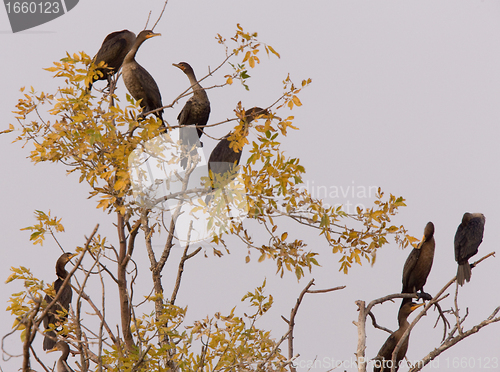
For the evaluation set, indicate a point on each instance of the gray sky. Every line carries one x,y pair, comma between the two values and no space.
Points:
404,96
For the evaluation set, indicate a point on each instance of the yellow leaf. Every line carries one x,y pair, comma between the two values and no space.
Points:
392,229
251,62
229,80
247,259
296,100
247,56
273,51
284,236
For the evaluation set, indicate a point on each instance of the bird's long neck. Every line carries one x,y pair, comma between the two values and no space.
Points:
194,83
403,322
61,271
65,354
132,52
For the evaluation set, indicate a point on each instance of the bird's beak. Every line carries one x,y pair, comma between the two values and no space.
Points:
177,65
52,350
417,306
73,255
153,35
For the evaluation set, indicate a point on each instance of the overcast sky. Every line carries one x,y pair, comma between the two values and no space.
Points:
405,96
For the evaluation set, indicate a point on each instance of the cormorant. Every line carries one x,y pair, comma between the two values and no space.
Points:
467,240
382,362
63,303
113,50
224,159
418,265
195,112
139,82
62,364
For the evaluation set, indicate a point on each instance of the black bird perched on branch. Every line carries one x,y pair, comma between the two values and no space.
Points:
113,50
224,160
62,363
418,265
139,82
467,240
63,303
195,112
382,362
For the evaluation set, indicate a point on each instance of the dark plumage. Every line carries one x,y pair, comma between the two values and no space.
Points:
62,363
113,50
467,240
63,303
138,81
382,362
223,161
418,264
195,112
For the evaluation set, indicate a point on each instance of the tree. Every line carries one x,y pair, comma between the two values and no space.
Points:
95,137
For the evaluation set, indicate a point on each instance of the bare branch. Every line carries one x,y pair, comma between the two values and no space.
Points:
361,325
161,15
291,323
326,290
184,258
374,323
449,343
38,359
293,313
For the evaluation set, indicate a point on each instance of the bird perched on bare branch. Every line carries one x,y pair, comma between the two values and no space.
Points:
62,305
382,362
195,112
418,265
467,240
113,50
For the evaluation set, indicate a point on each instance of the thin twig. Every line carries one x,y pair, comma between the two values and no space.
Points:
375,325
161,15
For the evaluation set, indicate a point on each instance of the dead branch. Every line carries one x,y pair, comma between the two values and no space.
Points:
185,257
291,322
449,343
326,290
375,325
161,15
293,313
38,359
361,325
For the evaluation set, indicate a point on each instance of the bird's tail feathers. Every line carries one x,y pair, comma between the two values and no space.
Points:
49,341
463,273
